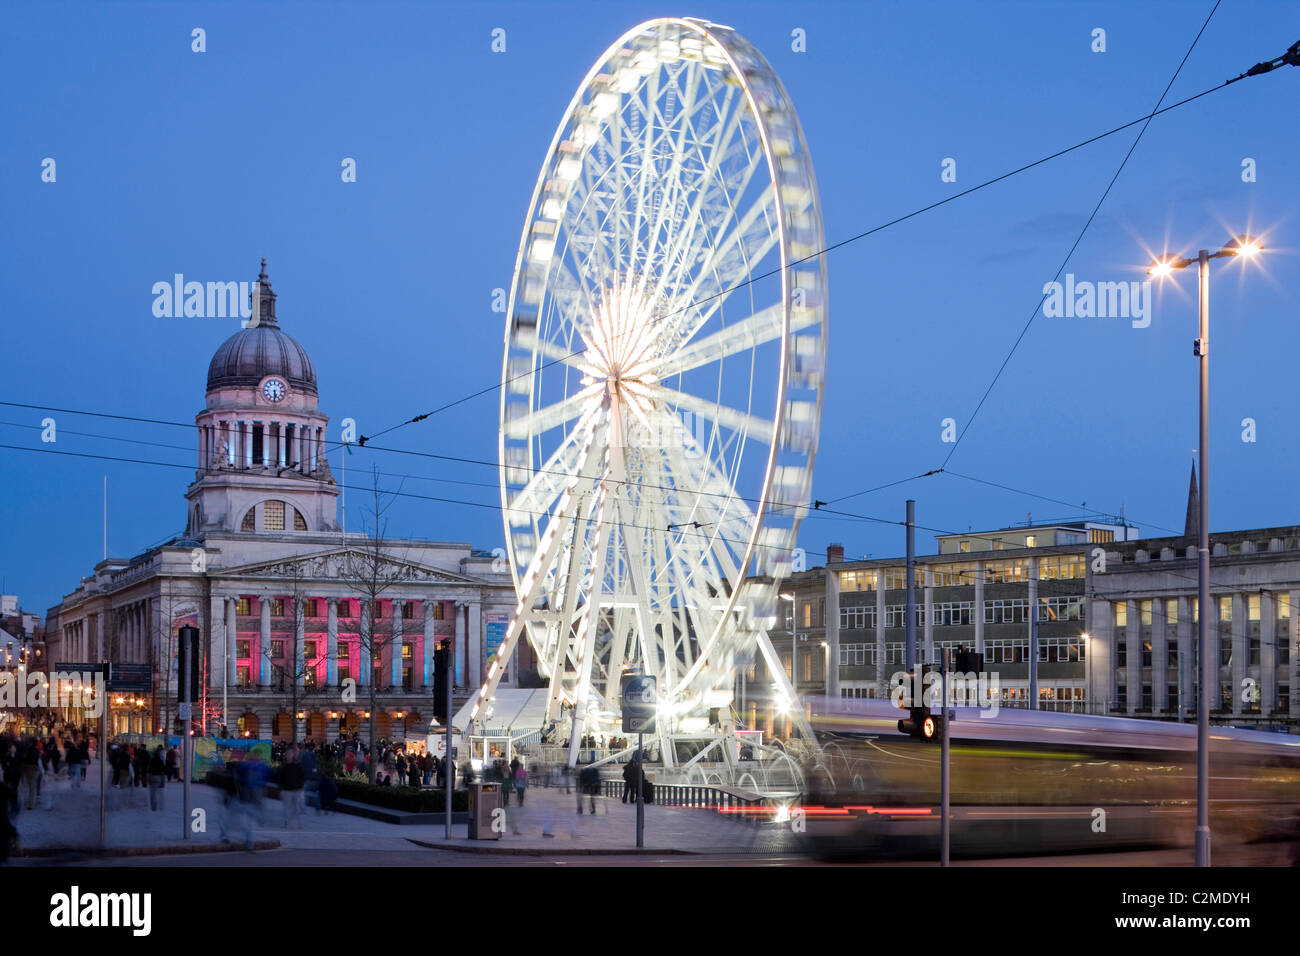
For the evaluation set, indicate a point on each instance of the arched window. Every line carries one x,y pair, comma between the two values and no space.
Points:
299,522
273,515
250,520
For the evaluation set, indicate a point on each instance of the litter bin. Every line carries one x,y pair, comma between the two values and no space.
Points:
484,799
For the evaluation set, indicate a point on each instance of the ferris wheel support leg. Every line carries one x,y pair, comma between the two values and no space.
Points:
777,670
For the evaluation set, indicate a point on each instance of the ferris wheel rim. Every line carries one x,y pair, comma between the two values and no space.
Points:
739,585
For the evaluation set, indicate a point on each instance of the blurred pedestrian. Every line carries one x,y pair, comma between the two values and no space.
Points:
157,778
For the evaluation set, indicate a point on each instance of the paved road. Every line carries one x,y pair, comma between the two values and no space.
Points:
1274,854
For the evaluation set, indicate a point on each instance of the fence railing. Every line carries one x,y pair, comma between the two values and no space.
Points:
741,804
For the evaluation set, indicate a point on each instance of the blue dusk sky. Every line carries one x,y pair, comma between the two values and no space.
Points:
170,161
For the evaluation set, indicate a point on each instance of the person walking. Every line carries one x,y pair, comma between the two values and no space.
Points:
73,759
31,772
292,781
157,778
629,781
521,781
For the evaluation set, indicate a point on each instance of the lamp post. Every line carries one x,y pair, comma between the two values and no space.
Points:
1084,641
794,657
1243,247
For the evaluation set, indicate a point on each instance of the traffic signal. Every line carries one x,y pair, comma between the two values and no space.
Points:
441,670
188,662
922,724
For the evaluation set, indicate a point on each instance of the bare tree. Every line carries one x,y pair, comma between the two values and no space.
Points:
296,664
370,570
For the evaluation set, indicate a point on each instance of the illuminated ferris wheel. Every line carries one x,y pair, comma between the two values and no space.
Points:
665,351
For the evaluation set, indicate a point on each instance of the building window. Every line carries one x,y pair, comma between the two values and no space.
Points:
408,610
857,618
243,607
858,580
1171,654
277,607
299,522
807,614
1031,541
273,516
244,648
963,547
406,651
1100,536
1121,654
785,665
277,649
1284,697
312,651
377,610
241,676
250,520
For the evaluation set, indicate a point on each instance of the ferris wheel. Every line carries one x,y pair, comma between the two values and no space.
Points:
665,352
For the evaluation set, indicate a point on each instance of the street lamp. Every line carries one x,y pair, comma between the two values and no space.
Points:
1244,247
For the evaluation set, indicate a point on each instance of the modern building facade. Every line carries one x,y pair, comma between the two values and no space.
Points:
296,617
1115,622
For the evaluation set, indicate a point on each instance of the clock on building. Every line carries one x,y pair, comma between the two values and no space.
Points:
273,389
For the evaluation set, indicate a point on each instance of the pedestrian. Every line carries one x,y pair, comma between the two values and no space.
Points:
629,781
30,763
173,764
413,772
73,759
157,778
521,782
292,781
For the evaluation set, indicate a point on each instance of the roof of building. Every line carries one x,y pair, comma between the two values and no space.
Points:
252,354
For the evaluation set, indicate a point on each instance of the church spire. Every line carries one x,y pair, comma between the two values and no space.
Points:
1192,523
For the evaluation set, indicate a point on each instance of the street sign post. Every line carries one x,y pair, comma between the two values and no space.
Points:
640,700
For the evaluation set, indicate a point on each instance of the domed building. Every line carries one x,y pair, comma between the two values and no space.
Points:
261,436
292,638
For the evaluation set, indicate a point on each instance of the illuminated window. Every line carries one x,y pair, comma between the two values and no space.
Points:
807,614
273,516
406,651
1121,614
1031,541
277,648
1100,536
243,648
277,607
964,547
1284,607
243,607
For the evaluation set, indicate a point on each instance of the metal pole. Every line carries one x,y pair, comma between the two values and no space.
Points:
909,645
102,753
1203,576
640,791
187,719
1033,634
944,826
449,769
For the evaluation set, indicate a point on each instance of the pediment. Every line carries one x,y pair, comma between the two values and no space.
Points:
344,564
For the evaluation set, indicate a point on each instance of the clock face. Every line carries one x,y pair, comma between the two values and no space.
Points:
273,389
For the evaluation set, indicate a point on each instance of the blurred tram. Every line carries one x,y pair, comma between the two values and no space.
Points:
1036,782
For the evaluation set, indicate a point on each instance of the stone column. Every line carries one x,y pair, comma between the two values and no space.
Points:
264,644
1267,653
475,670
831,656
232,632
1214,693
300,648
977,613
929,616
429,641
302,449
1186,673
396,643
1292,633
883,668
1240,650
1159,657
332,644
1133,673
363,652
460,645
247,456
216,639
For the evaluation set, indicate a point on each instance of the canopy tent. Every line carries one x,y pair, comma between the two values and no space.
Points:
516,712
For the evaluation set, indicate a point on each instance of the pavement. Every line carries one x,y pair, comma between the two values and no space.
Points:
66,822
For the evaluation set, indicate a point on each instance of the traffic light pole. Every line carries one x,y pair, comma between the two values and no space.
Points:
640,791
449,770
944,795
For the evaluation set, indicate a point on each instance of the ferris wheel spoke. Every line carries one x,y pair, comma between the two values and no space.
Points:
745,424
542,420
749,333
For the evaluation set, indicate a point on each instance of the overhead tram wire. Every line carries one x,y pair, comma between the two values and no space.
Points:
1043,582
838,245
1291,57
970,420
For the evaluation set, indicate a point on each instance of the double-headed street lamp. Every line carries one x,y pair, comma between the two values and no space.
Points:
1242,247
